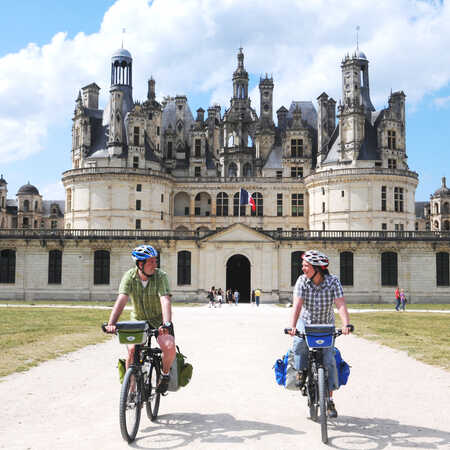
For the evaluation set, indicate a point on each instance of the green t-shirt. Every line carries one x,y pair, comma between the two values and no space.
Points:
146,301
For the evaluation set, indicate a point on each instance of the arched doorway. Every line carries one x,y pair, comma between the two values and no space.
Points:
238,276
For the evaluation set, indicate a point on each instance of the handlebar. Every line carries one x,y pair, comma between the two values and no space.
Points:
151,331
337,332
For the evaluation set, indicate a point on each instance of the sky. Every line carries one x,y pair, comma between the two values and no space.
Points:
50,49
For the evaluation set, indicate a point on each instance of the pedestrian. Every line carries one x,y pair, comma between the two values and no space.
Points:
397,298
402,300
236,297
257,296
219,297
229,296
210,297
253,297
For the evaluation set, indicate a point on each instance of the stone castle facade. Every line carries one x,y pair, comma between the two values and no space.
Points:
334,178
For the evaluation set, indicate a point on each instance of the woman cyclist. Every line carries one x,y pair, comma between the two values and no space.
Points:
315,294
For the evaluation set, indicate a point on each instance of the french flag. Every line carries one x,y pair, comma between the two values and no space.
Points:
247,199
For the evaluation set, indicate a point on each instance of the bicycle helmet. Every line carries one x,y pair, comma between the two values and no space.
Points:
316,258
143,252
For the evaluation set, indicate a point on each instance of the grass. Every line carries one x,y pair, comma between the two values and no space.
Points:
32,335
424,336
109,304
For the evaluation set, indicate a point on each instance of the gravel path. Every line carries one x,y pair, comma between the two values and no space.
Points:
392,401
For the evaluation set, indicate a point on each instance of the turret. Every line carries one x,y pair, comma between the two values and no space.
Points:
151,93
90,96
266,99
240,79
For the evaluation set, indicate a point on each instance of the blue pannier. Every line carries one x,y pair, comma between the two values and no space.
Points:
343,369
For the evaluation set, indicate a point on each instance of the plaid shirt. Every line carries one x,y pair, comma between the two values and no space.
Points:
318,300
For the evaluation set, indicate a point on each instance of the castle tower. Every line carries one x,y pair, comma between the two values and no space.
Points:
266,99
240,79
326,123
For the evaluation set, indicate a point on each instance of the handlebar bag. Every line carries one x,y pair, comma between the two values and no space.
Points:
132,331
319,336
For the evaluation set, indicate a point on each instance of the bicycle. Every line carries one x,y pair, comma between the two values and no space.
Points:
141,378
315,384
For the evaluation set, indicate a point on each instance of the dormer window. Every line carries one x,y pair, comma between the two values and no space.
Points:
391,140
296,148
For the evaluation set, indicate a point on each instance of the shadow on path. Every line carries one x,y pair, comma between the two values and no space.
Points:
376,433
179,430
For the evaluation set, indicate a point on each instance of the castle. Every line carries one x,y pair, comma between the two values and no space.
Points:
331,178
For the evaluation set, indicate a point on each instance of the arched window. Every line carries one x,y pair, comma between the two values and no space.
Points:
202,204
247,170
222,204
445,208
8,266
184,268
446,226
54,266
230,140
36,205
236,206
436,208
181,204
296,266
232,170
259,203
436,225
389,269
101,267
442,269
346,268
26,205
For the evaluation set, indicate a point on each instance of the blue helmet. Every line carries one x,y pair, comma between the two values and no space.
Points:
144,252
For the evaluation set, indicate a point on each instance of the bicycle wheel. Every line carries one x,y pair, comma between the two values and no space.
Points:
130,405
323,397
153,398
313,391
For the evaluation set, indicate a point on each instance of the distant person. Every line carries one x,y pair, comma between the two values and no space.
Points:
402,300
397,299
219,297
229,296
257,296
210,297
236,297
253,297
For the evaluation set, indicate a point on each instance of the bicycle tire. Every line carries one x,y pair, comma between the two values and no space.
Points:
153,398
313,393
323,404
130,406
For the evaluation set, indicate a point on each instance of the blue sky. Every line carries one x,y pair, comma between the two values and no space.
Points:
49,49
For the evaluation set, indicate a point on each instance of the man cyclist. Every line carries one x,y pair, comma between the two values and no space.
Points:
314,294
148,288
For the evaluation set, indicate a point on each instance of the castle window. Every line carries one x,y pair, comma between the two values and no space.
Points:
69,199
342,193
162,198
398,199
150,116
136,136
296,266
259,203
138,205
101,267
7,266
222,204
232,170
296,148
53,224
323,207
279,205
346,268
392,163
391,140
297,205
135,162
138,224
389,269
198,171
296,172
236,211
54,266
384,226
25,222
162,215
157,131
323,191
279,174
139,188
416,226
247,170
198,148
442,269
184,268
169,150
77,137
383,198
26,205
323,226
399,227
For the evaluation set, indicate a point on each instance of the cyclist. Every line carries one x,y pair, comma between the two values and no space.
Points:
314,294
148,288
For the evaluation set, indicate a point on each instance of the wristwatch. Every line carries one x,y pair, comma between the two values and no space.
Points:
167,324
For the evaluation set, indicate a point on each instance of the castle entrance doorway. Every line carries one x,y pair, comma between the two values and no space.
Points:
238,276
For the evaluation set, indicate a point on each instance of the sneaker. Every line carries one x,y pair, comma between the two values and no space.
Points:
332,413
163,384
301,378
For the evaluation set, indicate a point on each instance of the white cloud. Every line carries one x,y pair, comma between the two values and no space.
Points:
442,102
190,46
53,191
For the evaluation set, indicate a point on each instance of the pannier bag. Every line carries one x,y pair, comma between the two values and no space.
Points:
343,369
133,332
285,373
180,372
319,336
122,369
